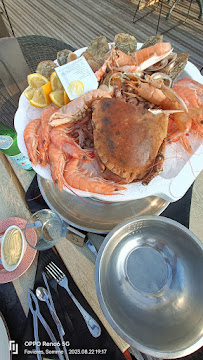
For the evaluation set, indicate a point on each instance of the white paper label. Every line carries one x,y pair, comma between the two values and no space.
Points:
77,78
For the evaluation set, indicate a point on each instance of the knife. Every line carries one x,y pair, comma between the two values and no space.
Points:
55,317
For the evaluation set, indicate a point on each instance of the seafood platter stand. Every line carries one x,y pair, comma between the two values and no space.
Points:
23,192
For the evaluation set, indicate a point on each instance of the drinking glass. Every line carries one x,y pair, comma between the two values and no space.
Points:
49,228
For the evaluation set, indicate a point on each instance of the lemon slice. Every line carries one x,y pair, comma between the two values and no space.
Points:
40,99
29,92
76,88
36,80
55,82
57,97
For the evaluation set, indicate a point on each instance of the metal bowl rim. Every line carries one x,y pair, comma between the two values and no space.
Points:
91,229
144,349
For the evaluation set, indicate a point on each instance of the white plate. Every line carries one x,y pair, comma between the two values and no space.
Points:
179,171
4,339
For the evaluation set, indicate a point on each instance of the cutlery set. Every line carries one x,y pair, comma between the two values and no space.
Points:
44,294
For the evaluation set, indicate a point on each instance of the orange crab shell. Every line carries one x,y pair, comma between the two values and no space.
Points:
127,138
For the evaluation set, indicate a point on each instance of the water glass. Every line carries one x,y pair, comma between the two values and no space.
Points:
49,228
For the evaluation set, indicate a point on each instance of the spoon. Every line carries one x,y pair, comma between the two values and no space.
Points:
54,285
43,295
33,225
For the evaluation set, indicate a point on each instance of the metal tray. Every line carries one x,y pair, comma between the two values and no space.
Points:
94,215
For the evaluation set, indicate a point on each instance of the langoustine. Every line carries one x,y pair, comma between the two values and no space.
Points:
134,62
182,102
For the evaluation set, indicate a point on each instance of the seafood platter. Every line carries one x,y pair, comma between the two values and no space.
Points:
138,135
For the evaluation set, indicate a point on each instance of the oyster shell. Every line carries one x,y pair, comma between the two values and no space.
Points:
167,61
126,43
152,40
98,47
64,56
97,52
177,67
46,68
92,63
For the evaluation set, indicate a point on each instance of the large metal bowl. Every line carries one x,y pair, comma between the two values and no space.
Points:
148,277
94,215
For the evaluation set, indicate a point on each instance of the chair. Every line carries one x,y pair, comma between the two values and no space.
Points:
168,2
18,58
177,1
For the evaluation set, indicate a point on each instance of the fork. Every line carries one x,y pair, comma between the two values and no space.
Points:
62,280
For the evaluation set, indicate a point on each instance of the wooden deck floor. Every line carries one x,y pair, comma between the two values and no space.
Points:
77,22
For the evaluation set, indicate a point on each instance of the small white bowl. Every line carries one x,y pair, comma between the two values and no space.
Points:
2,240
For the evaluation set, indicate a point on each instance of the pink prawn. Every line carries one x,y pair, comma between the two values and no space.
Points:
31,139
78,177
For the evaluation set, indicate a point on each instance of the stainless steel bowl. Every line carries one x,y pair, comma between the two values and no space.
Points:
94,215
148,277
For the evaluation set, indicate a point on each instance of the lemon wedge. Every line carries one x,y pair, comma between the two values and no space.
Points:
55,82
41,97
66,98
76,88
36,80
29,92
58,97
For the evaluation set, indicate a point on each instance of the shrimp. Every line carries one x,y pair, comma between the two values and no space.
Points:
192,121
60,138
79,178
99,73
46,127
174,134
41,154
57,160
31,139
192,93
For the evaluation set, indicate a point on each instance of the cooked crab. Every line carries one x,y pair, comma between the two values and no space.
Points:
128,140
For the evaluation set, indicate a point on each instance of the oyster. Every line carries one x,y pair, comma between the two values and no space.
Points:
64,56
98,47
97,52
167,61
46,68
126,43
177,66
92,63
152,40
